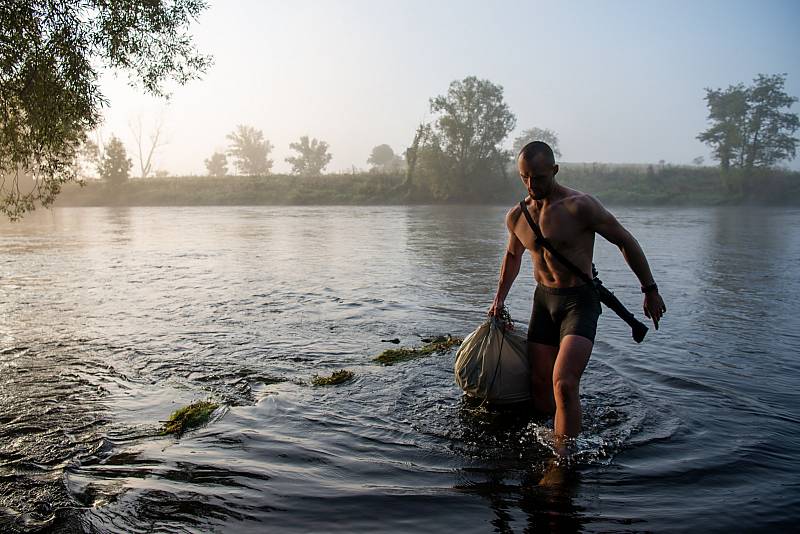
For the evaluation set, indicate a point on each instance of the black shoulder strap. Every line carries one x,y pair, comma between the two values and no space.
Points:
541,240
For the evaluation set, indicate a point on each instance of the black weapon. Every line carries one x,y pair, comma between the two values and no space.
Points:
638,329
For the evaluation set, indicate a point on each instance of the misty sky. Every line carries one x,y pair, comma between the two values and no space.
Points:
619,81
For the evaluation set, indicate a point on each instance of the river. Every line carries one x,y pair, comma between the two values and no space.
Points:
110,319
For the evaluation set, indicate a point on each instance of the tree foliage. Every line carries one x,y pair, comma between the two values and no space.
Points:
459,154
537,134
474,119
749,128
312,156
381,155
50,53
384,159
250,151
115,165
217,164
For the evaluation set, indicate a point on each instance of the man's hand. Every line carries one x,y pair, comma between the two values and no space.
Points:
654,307
496,307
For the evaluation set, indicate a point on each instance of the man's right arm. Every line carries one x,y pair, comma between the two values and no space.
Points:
512,260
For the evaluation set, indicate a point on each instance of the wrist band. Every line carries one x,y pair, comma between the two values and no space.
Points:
649,288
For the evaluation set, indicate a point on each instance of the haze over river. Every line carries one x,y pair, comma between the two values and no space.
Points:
110,319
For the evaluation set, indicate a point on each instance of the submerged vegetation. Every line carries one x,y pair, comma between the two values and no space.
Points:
268,379
337,377
192,416
438,344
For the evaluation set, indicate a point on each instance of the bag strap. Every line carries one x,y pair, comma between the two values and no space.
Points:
542,241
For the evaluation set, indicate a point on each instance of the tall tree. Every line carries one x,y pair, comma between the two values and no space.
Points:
421,135
749,127
727,111
250,151
473,120
537,134
312,156
382,158
381,155
115,165
770,131
217,164
50,56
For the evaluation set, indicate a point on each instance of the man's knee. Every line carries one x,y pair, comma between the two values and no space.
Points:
565,388
572,359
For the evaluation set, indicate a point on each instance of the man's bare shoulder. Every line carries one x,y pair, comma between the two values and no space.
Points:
512,216
582,205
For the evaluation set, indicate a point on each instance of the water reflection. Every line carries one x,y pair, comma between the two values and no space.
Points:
51,412
520,475
458,251
546,501
163,306
744,249
118,220
743,273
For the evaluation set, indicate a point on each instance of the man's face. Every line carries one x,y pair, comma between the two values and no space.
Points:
538,176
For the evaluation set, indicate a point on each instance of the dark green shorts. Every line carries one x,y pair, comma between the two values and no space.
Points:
561,311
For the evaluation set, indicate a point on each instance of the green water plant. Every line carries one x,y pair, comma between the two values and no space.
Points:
192,416
268,380
439,344
337,377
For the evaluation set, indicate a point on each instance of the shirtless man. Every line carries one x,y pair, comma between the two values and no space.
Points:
565,309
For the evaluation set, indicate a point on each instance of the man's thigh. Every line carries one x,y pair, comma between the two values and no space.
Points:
573,355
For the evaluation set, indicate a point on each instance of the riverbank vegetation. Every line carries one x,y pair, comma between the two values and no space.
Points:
462,155
612,183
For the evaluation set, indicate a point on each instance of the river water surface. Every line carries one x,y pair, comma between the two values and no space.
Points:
110,319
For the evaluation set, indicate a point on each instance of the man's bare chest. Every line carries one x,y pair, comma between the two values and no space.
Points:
562,229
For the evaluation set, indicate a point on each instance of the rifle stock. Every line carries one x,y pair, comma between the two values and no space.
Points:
638,329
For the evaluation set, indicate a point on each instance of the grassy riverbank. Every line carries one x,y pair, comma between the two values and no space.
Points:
612,184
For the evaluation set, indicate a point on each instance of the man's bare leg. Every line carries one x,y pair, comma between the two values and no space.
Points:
542,358
573,355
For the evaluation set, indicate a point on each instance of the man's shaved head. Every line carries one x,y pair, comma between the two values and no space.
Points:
535,148
537,169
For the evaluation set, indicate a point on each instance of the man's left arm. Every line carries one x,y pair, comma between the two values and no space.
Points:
604,223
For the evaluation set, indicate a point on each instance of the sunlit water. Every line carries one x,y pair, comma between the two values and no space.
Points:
113,318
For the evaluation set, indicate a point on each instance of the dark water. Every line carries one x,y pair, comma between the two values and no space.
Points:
111,319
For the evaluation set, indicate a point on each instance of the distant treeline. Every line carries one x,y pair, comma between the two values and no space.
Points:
612,183
461,156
